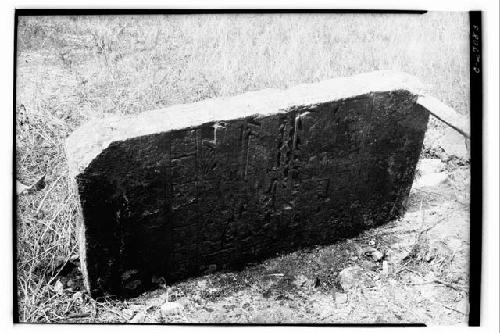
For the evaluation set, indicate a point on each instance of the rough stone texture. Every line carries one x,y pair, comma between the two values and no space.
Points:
294,168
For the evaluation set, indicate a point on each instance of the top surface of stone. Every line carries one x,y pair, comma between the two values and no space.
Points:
446,114
85,143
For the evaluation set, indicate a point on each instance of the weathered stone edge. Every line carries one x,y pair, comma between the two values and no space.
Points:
445,114
88,141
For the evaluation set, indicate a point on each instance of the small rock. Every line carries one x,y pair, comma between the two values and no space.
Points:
70,284
138,318
128,313
385,267
340,298
21,188
430,180
349,277
197,299
430,165
170,308
59,287
374,254
371,243
78,296
37,186
377,255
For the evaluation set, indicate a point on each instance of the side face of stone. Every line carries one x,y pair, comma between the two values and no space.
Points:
178,203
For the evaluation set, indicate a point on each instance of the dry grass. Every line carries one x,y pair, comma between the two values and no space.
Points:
72,69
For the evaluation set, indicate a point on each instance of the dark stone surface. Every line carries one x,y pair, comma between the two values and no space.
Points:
178,203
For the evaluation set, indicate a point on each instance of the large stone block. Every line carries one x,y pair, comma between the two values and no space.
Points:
216,184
